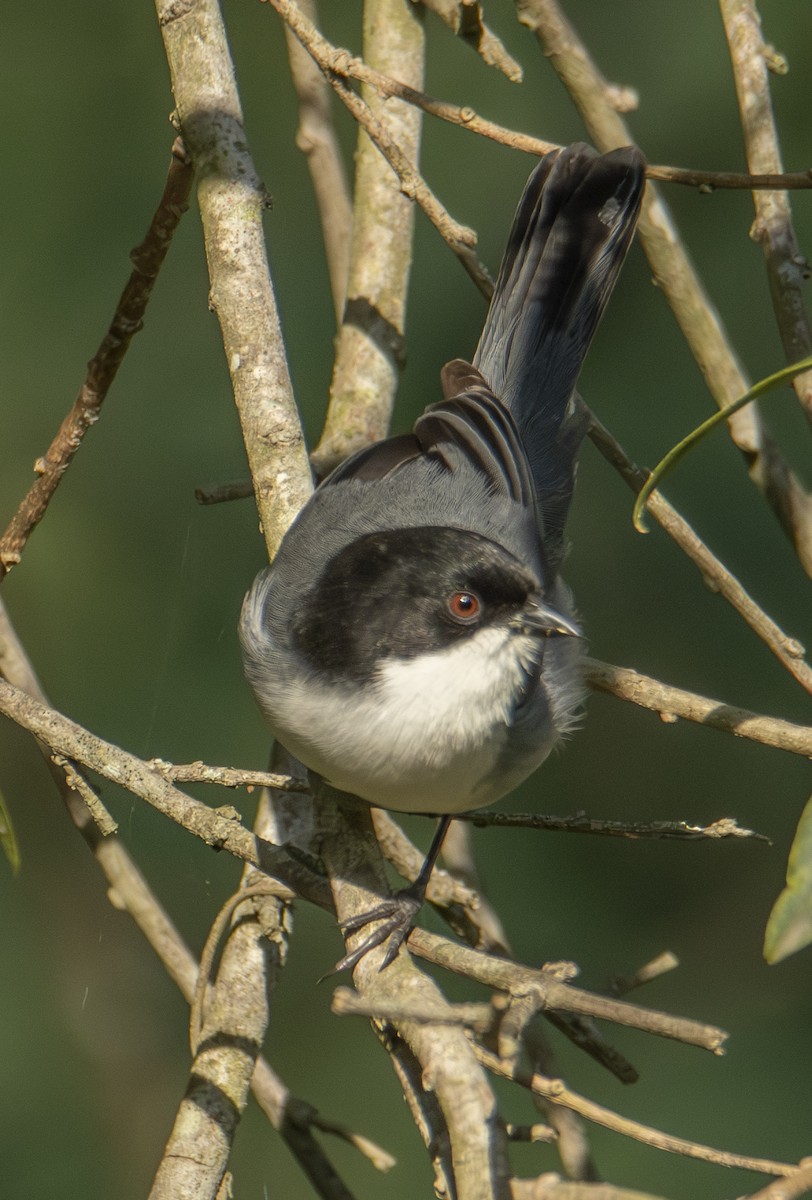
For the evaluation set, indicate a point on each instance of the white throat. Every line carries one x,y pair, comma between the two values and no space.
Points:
425,734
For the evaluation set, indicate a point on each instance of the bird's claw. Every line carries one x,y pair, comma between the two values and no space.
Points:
396,916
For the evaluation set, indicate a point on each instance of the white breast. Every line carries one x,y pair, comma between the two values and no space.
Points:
426,734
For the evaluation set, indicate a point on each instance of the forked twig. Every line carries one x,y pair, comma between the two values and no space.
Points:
556,1091
341,62
459,238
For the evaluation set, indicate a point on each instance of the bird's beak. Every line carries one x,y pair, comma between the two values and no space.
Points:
543,620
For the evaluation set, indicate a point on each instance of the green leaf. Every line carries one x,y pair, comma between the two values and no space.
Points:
8,841
789,927
666,465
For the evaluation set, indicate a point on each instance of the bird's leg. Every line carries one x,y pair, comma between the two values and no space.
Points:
396,914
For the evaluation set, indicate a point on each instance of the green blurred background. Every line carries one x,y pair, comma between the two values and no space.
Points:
128,595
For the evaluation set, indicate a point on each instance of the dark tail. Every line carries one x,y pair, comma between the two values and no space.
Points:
573,226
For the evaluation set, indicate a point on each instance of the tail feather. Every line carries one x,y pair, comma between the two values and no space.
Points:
570,235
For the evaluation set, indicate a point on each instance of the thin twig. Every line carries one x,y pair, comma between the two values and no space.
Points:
571,1131
102,369
672,702
552,1187
788,650
210,825
742,181
229,777
460,239
661,964
465,20
674,274
479,1017
77,783
581,823
239,489
558,1093
513,977
341,62
787,268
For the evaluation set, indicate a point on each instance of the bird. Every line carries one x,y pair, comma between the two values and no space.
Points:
413,643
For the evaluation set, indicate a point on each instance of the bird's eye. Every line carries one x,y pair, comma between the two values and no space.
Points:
464,607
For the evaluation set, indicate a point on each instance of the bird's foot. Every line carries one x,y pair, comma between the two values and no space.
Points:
396,916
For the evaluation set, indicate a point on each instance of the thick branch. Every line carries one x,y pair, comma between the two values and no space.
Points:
370,347
463,1134
232,201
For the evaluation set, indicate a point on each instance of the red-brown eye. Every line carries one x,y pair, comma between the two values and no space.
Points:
464,606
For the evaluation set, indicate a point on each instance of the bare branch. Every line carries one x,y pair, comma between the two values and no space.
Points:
791,1188
671,702
558,1093
788,650
709,181
465,1135
581,823
479,1017
238,489
129,891
464,18
339,61
787,268
102,369
77,783
661,964
316,139
210,825
459,238
370,346
513,977
551,1187
674,274
232,201
230,777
